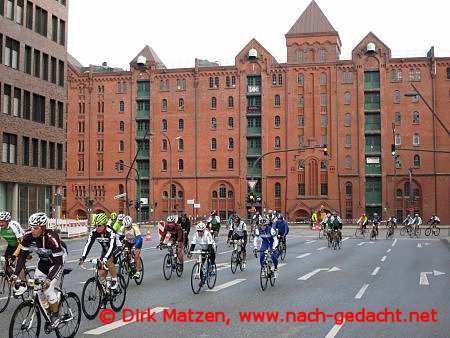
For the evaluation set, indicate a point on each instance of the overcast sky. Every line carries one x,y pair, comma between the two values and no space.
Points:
179,31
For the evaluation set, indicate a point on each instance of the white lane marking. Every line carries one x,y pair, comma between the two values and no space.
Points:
375,271
226,285
383,258
394,242
119,323
345,238
388,250
423,280
361,291
419,245
334,331
306,254
311,241
312,273
321,248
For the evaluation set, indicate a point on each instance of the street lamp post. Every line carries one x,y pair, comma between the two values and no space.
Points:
170,169
138,209
394,155
410,171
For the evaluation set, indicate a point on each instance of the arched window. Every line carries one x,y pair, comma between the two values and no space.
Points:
164,105
180,124
164,145
213,102
230,102
164,125
416,161
347,98
300,56
121,146
230,194
399,193
416,117
348,162
396,96
416,139
398,118
277,190
277,121
300,79
277,100
230,163
323,79
230,143
230,123
164,165
180,164
348,190
301,165
213,164
214,194
213,123
165,195
121,126
180,144
277,142
277,163
348,120
180,103
323,165
398,139
222,191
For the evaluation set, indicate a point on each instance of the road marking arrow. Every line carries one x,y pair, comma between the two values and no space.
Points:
312,273
423,280
306,254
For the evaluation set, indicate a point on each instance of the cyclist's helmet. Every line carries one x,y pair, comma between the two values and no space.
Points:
375,214
38,219
172,219
100,219
127,221
200,226
213,213
5,216
120,217
280,216
113,216
264,221
236,219
416,215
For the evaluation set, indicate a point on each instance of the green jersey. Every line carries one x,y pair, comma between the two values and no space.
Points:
12,233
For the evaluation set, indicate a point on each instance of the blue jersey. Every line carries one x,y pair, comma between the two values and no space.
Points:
282,227
268,237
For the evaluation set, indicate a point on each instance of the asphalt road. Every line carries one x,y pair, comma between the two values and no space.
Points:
403,281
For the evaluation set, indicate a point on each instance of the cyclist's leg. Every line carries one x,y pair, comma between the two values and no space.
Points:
137,256
180,252
275,258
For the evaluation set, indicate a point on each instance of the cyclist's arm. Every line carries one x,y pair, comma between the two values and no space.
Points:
23,254
112,238
138,235
255,240
90,241
275,239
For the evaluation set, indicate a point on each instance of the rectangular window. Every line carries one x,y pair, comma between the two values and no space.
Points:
301,189
300,121
60,156
29,15
40,23
51,150
62,32
27,60
43,154
10,9
7,99
323,100
61,73
35,152
45,66
26,150
12,52
52,112
324,189
301,141
300,100
9,148
38,108
16,102
60,115
323,120
54,28
2,8
37,62
26,105
53,70
19,12
348,140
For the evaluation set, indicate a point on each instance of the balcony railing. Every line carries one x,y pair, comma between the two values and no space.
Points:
254,109
253,151
373,169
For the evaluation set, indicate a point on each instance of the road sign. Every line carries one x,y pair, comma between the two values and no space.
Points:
252,209
190,202
197,205
120,196
252,184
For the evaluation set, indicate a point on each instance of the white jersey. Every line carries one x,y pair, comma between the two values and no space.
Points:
238,229
204,240
16,228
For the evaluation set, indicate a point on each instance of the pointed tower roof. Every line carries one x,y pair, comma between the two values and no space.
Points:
312,21
151,57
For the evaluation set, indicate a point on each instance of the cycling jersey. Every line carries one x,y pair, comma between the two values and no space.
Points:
131,235
12,233
282,227
268,237
107,240
206,243
175,231
50,250
239,229
214,222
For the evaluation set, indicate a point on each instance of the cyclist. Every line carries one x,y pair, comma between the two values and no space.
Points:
214,223
416,221
281,227
112,220
110,252
12,233
313,219
176,236
52,253
391,223
326,225
131,235
362,222
407,222
237,231
434,220
268,240
203,238
336,224
376,220
186,226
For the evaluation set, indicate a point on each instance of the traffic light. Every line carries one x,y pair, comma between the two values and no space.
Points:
393,149
251,197
325,150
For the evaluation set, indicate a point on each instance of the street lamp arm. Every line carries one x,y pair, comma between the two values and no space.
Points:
282,151
431,109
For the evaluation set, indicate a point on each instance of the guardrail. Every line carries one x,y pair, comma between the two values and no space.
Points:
68,228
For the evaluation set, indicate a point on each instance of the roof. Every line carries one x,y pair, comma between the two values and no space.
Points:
151,57
312,21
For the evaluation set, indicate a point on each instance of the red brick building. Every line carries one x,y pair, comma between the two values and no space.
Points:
33,62
214,128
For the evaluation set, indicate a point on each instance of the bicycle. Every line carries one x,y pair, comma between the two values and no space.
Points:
95,294
360,230
26,319
416,231
127,267
5,286
390,232
336,242
203,272
267,272
171,262
373,233
431,229
406,229
282,247
318,227
237,258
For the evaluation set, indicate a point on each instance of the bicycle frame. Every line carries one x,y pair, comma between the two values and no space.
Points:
202,262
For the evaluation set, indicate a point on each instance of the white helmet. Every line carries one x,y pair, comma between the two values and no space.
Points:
172,218
120,217
5,216
38,219
127,221
201,226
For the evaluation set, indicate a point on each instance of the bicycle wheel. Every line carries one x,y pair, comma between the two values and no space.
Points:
417,232
356,232
91,297
320,236
212,276
167,266
69,315
25,321
241,260
234,261
119,295
179,269
125,271
5,291
264,276
436,231
139,280
272,278
428,231
28,294
283,251
402,231
196,278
